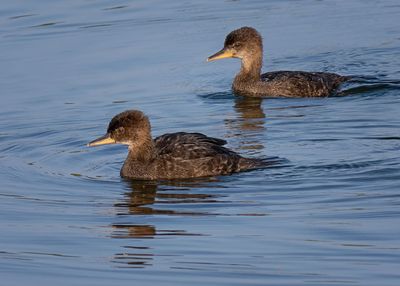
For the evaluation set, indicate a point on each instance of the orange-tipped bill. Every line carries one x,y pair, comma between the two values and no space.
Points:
103,140
222,54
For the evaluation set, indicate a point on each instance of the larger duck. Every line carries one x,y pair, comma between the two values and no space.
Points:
246,44
170,156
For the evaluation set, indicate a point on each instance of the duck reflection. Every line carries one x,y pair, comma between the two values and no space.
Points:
248,123
250,112
139,199
134,257
152,198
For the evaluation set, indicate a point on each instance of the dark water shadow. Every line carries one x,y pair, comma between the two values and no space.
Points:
248,124
250,110
366,85
141,213
152,199
217,97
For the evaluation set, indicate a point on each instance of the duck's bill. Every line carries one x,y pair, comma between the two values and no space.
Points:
222,54
103,140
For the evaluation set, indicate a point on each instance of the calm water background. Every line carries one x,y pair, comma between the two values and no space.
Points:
328,215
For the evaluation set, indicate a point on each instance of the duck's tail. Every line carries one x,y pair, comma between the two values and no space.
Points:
260,163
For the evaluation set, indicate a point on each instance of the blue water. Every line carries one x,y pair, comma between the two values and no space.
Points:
328,214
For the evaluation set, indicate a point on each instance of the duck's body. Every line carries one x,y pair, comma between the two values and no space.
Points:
246,43
289,84
171,156
186,155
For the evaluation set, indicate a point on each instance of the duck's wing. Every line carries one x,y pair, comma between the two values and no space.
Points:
190,146
310,83
188,155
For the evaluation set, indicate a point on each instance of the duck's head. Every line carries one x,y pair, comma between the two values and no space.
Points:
244,43
130,127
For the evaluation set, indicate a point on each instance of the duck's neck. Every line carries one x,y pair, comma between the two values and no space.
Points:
251,68
138,164
143,152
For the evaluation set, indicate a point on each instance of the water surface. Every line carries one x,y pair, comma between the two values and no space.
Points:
327,215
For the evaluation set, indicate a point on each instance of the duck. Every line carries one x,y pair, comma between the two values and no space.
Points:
180,155
246,44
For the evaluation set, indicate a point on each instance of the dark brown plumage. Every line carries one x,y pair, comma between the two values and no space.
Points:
170,156
246,43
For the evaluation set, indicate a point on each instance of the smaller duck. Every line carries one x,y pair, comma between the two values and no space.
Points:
170,156
246,44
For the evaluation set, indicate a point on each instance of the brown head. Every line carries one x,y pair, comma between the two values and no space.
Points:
130,127
244,43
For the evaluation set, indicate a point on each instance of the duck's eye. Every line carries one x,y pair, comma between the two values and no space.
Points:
237,45
118,132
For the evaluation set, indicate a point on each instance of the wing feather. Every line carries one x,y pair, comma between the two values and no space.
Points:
190,146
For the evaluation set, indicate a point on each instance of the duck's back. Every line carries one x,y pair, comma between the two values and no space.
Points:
302,84
189,155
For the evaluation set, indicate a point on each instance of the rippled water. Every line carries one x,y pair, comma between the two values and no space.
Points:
327,214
